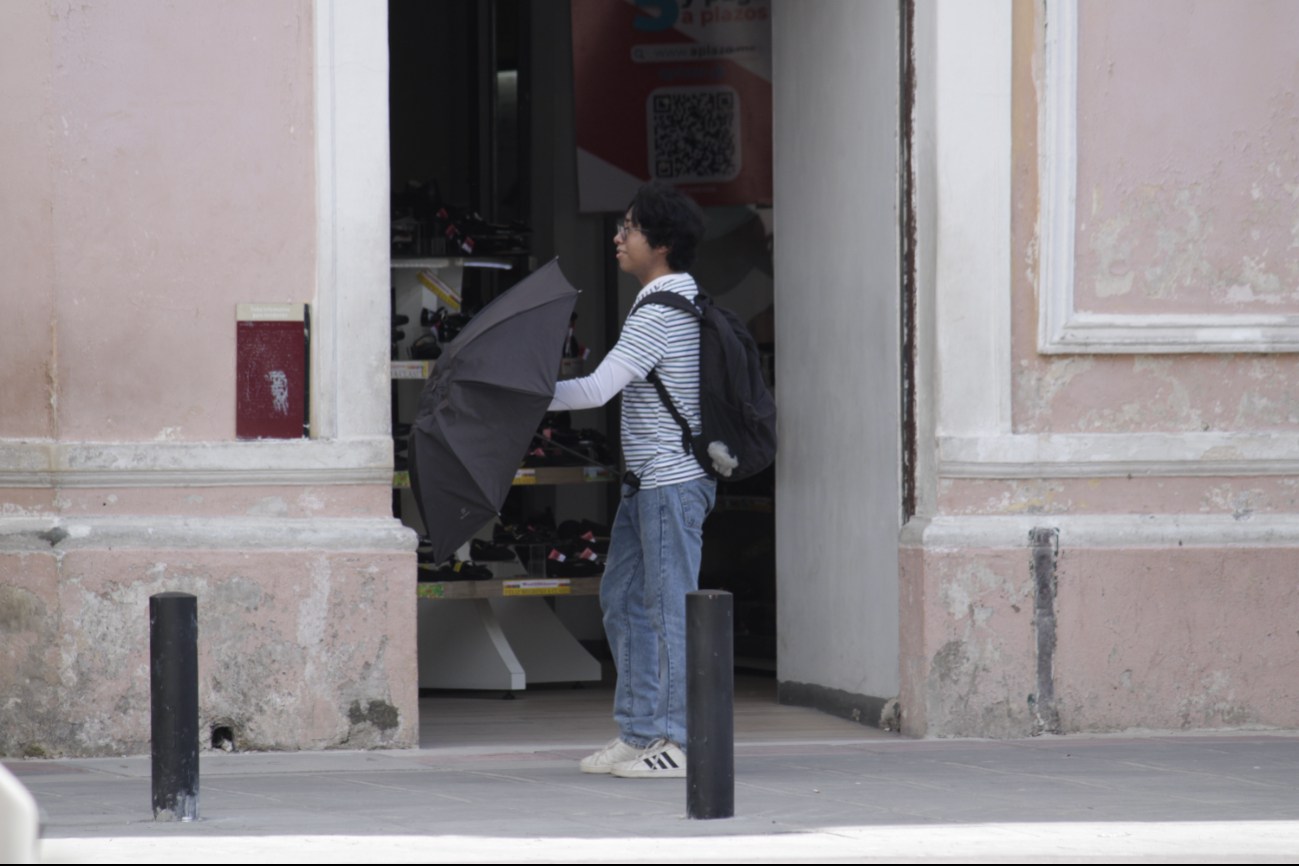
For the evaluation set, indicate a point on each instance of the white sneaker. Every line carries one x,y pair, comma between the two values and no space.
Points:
614,752
661,759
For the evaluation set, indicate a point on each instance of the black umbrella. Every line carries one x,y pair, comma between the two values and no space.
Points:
481,407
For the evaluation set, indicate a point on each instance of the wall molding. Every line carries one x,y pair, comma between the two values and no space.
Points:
972,150
951,532
58,535
1062,329
1102,455
350,319
36,464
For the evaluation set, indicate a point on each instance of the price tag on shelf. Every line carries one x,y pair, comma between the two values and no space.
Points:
536,587
430,590
411,369
596,473
525,476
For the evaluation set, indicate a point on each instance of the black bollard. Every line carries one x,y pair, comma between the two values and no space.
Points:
710,704
173,657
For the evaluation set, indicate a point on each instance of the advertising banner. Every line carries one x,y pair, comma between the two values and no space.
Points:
678,90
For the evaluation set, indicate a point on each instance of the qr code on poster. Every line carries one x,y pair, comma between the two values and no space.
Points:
694,134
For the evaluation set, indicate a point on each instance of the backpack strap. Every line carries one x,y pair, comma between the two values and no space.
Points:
672,299
680,302
666,398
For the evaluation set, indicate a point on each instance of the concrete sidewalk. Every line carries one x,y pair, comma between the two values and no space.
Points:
1222,797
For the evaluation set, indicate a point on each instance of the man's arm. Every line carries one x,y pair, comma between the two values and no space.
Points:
639,348
594,390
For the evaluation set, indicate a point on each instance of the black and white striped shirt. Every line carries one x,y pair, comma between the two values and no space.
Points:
665,339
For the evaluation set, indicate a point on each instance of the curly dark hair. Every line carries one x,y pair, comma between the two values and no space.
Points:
669,218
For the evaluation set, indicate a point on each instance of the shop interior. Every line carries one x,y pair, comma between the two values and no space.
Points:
484,190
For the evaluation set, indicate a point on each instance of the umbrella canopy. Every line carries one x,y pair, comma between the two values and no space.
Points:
479,410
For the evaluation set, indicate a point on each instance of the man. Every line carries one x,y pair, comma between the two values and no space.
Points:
658,533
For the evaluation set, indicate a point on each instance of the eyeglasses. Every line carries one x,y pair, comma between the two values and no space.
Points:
625,230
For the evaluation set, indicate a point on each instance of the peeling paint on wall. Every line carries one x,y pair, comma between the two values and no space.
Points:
1188,140
1143,393
279,670
1178,638
341,500
980,644
1239,497
1188,202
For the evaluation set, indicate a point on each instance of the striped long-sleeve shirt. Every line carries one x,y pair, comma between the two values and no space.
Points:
660,338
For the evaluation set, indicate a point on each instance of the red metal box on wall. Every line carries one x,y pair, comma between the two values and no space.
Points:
271,371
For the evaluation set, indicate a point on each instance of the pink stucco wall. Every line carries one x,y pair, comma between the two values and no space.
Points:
296,650
326,500
1147,637
26,221
968,655
160,170
1188,201
1188,157
1239,497
1191,637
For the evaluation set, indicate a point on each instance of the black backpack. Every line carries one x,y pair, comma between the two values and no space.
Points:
738,412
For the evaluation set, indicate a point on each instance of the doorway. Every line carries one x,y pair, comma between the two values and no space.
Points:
481,103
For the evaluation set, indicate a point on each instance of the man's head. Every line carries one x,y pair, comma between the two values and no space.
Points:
664,229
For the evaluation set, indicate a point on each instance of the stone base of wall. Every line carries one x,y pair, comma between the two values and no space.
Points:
1180,634
298,649
866,709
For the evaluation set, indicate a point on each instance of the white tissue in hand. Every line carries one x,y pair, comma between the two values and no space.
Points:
723,462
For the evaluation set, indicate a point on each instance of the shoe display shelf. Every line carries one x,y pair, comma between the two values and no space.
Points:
497,634
519,585
539,476
446,262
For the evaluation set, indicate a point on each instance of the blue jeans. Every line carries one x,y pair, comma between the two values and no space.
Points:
654,555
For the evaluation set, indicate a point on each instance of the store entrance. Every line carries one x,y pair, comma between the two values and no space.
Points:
484,189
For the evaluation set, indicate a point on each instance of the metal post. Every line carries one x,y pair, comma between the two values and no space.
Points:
710,704
173,657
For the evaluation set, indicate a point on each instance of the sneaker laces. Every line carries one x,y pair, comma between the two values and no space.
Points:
610,746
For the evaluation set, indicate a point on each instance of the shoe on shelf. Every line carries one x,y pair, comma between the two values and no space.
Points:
533,535
458,570
598,545
573,559
574,568
425,348
401,430
661,759
485,551
614,752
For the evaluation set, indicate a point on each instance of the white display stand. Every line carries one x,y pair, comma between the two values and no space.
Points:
497,643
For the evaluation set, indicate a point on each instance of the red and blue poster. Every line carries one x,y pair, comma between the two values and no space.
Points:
678,90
